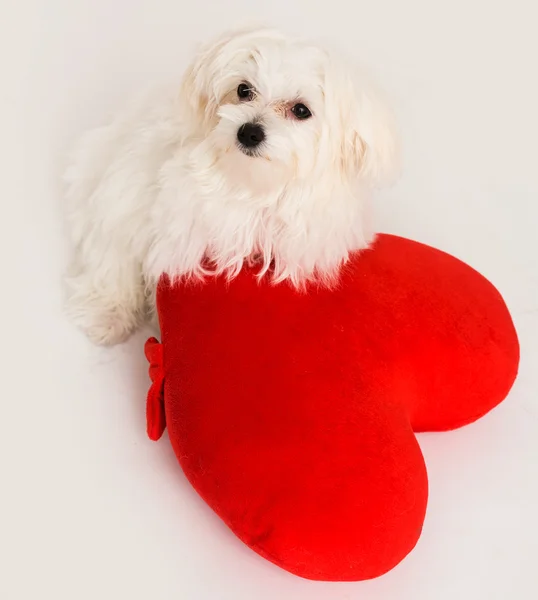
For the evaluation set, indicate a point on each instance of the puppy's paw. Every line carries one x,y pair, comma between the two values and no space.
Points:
109,330
104,325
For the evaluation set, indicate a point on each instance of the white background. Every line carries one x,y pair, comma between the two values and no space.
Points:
89,508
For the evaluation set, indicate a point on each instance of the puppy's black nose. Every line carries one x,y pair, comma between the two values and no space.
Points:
250,135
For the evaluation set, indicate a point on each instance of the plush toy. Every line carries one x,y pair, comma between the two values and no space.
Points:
293,414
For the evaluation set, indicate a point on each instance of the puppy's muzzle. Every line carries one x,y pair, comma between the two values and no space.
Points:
250,135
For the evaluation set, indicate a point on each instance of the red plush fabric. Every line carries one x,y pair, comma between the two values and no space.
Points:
293,414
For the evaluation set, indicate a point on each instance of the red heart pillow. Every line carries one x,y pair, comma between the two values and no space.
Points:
293,414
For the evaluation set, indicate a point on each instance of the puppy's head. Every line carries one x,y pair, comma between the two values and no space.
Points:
270,109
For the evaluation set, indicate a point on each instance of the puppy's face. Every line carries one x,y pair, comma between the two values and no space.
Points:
272,109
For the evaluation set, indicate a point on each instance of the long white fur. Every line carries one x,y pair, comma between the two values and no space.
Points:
164,188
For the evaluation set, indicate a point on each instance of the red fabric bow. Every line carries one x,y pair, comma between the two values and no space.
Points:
155,415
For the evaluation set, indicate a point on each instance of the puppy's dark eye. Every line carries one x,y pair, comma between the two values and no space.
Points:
301,111
245,92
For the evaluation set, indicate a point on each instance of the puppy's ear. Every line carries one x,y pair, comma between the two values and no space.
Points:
197,95
370,137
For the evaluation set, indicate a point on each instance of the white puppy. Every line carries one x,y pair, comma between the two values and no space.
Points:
265,154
